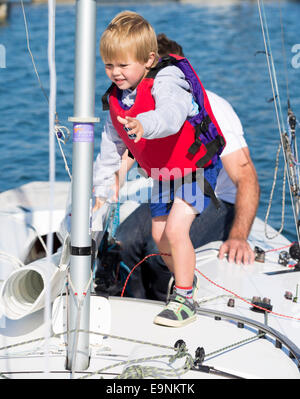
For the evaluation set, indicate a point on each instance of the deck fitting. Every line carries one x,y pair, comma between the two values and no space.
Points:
278,344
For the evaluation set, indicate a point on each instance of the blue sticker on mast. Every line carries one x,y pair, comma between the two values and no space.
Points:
83,132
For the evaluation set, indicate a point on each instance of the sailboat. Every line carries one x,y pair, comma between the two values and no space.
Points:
54,326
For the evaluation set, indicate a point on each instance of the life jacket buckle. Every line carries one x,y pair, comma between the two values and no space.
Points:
194,148
204,124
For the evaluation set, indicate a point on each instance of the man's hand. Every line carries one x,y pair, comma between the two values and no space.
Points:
238,251
134,126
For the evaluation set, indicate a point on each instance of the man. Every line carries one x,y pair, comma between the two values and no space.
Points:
237,190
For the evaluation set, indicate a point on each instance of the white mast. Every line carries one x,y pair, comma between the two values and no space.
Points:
82,180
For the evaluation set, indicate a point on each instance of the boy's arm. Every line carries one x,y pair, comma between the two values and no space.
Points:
107,162
173,104
241,170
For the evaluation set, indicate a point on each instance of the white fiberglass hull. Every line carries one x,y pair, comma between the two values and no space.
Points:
122,331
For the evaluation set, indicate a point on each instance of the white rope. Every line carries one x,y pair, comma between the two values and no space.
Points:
39,238
276,234
59,131
12,258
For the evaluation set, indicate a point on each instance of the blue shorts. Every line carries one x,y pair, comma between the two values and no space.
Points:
164,192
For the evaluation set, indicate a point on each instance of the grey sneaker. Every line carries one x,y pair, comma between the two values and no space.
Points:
196,284
178,312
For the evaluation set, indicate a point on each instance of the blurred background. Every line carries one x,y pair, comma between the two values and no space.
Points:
222,40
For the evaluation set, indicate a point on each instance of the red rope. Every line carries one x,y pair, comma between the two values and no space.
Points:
278,249
146,257
245,300
212,282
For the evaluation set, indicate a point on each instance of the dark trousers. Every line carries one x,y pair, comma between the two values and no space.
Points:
150,279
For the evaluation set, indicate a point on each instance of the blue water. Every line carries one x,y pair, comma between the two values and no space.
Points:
220,42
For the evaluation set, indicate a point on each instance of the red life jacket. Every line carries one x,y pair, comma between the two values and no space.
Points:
198,143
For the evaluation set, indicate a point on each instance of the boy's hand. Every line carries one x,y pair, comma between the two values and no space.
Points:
98,203
133,125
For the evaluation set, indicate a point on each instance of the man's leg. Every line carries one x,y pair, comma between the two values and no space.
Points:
212,224
150,279
134,234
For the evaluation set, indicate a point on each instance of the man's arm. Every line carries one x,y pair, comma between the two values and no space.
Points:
241,170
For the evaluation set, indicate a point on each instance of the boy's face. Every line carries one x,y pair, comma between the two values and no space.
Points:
127,74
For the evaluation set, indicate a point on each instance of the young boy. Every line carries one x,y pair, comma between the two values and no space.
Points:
153,112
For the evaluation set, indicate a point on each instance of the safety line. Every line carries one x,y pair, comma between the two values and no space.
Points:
146,257
214,283
245,300
277,102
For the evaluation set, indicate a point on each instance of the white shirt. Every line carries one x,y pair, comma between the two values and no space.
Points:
232,130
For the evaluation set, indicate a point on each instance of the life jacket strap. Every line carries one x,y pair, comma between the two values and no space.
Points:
105,102
163,63
210,192
207,188
200,128
130,154
204,124
195,147
212,148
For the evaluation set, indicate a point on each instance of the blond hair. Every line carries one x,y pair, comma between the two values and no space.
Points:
128,34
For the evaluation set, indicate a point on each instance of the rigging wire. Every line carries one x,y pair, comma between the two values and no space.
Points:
30,52
58,130
276,234
291,117
278,109
284,53
271,65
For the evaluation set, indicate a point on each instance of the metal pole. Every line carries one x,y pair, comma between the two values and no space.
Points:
82,180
